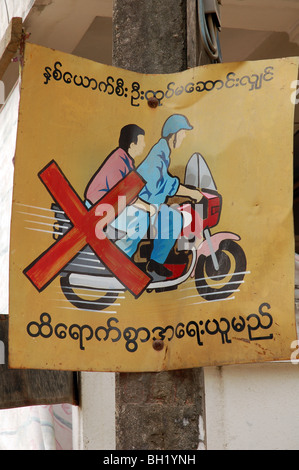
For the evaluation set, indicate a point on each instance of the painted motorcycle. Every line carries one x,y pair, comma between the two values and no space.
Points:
216,262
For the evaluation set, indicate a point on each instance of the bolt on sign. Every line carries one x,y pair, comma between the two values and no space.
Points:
152,216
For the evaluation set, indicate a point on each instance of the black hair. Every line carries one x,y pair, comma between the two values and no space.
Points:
128,135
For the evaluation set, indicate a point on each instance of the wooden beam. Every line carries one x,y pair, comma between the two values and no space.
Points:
10,43
20,387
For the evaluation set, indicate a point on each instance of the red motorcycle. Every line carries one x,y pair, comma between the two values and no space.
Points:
216,262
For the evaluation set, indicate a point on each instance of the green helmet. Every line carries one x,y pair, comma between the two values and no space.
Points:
174,124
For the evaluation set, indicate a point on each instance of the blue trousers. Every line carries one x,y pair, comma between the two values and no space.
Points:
166,226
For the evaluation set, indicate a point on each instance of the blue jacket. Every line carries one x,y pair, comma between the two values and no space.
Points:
154,170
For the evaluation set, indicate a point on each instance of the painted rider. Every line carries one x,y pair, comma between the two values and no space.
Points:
159,185
117,165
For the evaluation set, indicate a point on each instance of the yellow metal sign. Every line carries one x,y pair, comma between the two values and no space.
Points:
152,216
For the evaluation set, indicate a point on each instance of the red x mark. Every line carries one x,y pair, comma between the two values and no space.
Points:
45,268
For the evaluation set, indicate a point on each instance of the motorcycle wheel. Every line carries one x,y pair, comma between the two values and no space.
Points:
212,284
100,303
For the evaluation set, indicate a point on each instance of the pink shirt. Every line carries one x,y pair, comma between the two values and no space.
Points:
116,166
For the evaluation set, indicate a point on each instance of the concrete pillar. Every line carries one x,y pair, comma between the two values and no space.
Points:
150,36
163,410
160,411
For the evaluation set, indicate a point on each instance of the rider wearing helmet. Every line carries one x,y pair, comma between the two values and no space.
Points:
159,185
174,124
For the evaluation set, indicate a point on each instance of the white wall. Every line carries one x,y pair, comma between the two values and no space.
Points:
8,132
252,407
11,8
94,421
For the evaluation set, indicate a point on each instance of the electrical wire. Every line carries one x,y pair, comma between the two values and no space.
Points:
209,33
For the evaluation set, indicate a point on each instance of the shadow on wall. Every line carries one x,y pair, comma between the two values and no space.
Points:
275,46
